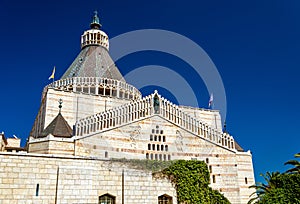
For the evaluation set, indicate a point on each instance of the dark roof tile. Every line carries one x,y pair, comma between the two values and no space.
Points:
59,127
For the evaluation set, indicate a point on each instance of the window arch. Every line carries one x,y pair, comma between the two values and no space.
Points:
107,199
165,199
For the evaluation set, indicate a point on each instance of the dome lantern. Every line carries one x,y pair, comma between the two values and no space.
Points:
95,36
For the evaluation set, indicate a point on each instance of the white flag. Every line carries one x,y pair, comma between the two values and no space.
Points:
211,99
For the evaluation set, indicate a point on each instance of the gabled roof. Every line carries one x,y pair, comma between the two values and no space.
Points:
93,61
149,106
59,127
238,147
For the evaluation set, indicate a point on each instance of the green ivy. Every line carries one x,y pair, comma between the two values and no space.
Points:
145,164
191,179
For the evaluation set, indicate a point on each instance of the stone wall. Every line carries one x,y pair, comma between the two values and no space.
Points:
75,106
51,145
210,117
75,180
228,167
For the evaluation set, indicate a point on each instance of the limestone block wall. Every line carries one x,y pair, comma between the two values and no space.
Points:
157,139
245,175
75,106
37,178
210,117
51,145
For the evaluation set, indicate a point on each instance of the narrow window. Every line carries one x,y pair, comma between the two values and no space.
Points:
149,146
37,189
155,138
106,154
155,156
169,157
162,147
164,139
159,138
160,157
151,156
207,160
157,147
151,137
246,180
210,169
153,131
161,132
147,155
165,157
153,146
214,178
166,148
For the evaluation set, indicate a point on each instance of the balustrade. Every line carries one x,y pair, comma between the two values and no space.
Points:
143,108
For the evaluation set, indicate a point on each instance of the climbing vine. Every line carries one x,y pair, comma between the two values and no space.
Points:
191,180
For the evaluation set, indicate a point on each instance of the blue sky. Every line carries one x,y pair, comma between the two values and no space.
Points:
254,44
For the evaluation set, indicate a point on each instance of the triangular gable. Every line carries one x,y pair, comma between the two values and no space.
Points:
148,106
59,127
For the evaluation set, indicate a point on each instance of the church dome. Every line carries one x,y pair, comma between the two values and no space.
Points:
93,71
94,59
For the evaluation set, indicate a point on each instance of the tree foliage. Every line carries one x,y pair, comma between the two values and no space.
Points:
280,188
295,163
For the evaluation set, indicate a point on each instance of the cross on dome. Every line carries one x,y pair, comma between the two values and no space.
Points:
60,101
96,22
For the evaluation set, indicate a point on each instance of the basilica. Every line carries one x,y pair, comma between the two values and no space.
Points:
91,117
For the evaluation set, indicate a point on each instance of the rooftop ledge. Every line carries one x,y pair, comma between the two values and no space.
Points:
97,86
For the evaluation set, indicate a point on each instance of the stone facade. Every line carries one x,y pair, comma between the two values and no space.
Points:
41,178
71,151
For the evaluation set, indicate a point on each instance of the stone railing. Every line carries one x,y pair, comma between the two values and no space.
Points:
97,86
147,106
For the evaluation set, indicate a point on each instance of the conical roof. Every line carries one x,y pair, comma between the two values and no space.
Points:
93,61
59,127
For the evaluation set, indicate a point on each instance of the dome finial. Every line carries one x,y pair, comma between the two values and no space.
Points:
96,22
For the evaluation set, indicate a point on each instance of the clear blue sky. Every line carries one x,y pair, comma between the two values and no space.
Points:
254,44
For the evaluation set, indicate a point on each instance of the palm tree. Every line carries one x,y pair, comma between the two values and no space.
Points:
295,163
262,189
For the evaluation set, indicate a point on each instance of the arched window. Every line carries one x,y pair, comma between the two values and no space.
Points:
107,199
156,104
165,199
